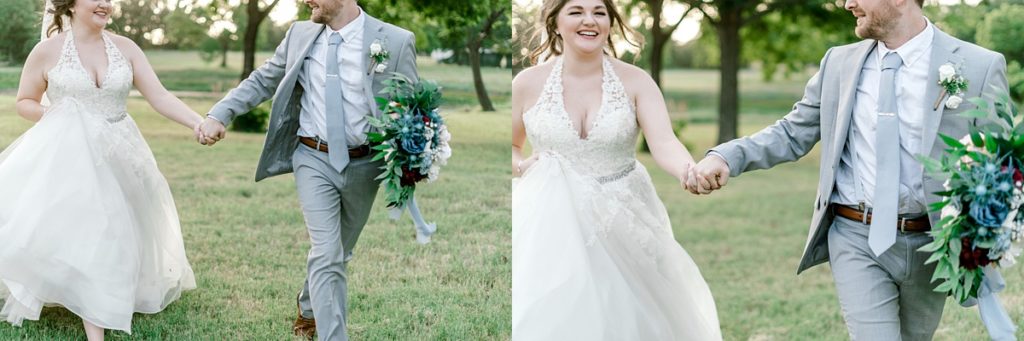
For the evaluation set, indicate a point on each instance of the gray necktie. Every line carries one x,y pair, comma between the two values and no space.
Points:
334,98
887,163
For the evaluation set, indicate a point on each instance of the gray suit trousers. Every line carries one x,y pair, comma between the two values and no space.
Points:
336,207
888,297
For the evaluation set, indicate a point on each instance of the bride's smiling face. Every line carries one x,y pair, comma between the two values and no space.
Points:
94,13
584,25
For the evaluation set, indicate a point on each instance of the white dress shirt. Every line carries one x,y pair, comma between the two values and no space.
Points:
911,83
313,78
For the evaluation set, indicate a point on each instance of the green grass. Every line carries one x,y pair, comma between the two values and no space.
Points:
247,242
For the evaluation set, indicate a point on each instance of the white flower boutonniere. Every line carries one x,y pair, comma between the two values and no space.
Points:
953,84
378,57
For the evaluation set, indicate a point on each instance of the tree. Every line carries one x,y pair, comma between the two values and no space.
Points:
728,17
1002,31
19,21
255,16
660,31
473,24
137,19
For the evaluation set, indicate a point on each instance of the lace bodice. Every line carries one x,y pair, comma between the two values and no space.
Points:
609,150
69,79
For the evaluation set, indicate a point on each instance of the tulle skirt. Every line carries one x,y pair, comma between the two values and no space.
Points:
595,259
87,222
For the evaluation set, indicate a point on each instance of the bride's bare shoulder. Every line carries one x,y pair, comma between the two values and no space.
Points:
532,76
47,52
528,83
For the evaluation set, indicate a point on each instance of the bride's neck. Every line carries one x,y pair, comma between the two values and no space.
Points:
580,64
84,33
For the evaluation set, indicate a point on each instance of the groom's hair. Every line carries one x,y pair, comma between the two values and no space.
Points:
920,3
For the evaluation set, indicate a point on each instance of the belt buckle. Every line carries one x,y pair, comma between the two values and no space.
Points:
903,224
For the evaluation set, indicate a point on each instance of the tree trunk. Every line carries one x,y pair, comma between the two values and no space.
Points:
478,79
473,46
252,30
728,100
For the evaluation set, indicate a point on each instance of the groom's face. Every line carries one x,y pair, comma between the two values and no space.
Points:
326,10
876,19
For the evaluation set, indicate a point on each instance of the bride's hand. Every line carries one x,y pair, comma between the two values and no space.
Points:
684,177
521,167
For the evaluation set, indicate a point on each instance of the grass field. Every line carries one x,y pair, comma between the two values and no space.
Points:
247,242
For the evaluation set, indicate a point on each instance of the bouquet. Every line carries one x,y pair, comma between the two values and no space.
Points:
412,139
982,220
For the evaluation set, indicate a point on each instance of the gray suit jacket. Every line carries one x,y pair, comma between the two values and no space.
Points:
279,77
825,112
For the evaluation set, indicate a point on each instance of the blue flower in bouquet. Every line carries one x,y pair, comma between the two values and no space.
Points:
414,144
989,211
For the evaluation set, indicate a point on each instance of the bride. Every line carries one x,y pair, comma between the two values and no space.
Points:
593,255
87,221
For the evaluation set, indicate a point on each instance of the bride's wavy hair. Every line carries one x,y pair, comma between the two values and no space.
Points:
61,8
551,42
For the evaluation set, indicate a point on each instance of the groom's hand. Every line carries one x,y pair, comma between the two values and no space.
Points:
211,131
710,174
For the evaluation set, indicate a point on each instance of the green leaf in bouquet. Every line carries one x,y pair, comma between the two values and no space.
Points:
968,283
954,253
932,259
381,102
980,103
930,165
974,113
950,141
946,286
975,135
937,206
991,144
934,246
382,176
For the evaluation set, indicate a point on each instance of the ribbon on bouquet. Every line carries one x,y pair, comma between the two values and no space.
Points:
993,315
423,229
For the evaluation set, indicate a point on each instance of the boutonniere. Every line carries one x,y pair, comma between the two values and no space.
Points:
378,57
953,84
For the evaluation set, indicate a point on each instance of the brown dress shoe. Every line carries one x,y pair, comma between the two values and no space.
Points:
304,327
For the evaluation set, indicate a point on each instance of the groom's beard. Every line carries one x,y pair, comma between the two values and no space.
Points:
880,24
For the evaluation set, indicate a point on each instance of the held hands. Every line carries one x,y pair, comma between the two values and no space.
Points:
710,174
209,132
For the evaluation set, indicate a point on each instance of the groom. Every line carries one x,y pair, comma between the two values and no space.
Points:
875,105
322,79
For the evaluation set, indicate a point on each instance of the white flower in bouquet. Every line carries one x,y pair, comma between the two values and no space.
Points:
375,49
953,208
946,72
381,67
1010,256
954,102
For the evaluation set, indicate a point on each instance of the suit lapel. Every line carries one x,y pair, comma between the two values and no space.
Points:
372,32
848,81
307,45
943,51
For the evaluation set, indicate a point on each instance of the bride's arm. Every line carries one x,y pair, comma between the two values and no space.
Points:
33,80
652,115
519,89
150,87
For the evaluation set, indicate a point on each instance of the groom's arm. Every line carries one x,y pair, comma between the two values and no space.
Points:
257,88
406,58
787,140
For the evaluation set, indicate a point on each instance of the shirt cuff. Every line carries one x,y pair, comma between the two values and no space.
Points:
214,118
719,155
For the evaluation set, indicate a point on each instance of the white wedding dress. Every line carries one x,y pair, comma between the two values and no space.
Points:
87,220
593,255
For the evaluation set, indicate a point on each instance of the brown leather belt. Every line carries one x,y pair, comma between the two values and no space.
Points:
906,225
354,153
